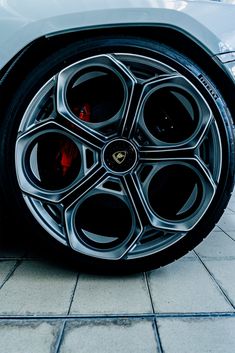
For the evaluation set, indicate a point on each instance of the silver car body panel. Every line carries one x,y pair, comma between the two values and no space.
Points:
209,23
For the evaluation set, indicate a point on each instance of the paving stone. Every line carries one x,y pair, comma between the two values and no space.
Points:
117,336
216,229
185,286
224,273
37,288
98,295
217,245
229,211
197,335
231,204
227,223
28,337
5,268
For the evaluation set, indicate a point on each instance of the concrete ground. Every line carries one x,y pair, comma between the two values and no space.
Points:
185,307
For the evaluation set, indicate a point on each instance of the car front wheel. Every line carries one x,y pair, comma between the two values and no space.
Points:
120,149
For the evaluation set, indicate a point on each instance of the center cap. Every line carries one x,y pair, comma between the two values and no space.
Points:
120,156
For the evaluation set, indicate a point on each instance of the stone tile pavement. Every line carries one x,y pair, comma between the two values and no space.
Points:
185,307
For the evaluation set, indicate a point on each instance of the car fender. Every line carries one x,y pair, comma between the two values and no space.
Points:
23,22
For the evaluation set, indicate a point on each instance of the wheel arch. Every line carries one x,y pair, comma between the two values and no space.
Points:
15,70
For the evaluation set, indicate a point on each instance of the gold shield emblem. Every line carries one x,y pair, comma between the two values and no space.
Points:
119,156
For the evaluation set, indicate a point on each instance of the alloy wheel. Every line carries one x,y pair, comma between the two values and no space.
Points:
118,156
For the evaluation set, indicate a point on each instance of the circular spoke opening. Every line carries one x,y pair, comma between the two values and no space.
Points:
171,115
95,95
55,161
175,192
103,221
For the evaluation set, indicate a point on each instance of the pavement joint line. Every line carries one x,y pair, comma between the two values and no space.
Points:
157,335
230,209
215,258
2,259
41,259
224,231
149,290
59,338
118,316
155,327
73,293
215,280
10,273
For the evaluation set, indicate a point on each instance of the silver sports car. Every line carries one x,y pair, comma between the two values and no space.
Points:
116,125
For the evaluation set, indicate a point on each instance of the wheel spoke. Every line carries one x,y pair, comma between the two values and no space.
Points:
131,114
136,199
86,185
85,134
153,155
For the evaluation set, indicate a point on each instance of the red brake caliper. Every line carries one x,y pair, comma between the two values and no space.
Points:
68,152
85,112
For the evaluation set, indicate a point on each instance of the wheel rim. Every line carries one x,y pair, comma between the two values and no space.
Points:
118,156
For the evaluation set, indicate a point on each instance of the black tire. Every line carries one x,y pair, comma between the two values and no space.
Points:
167,176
